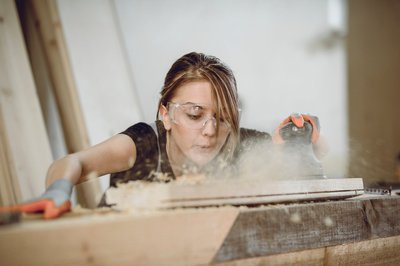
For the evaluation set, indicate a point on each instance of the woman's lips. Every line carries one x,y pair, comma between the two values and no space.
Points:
204,147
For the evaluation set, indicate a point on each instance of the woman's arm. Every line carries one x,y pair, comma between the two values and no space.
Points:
113,155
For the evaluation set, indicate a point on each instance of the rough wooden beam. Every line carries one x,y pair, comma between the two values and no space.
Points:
258,232
188,237
52,62
61,74
381,251
9,187
41,74
212,235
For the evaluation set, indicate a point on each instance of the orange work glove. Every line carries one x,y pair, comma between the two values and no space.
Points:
298,127
52,203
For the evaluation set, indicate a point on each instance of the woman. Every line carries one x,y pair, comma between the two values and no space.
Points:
197,128
197,122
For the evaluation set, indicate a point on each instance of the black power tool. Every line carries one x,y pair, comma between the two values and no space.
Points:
296,136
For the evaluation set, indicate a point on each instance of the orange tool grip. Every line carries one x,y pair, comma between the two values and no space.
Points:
298,120
315,131
45,205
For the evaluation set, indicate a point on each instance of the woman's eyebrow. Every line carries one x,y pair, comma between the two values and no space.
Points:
195,104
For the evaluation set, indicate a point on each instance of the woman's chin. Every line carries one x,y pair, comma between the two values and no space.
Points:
201,161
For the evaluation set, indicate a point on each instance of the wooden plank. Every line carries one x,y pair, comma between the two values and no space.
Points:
44,85
22,118
305,257
240,201
61,74
53,63
238,192
329,233
246,188
9,188
184,237
382,251
274,230
88,193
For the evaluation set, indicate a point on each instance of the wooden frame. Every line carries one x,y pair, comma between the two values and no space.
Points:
361,230
233,192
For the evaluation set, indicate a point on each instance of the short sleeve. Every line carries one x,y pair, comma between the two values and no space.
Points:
147,154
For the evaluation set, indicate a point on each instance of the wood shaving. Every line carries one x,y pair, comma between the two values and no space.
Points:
144,195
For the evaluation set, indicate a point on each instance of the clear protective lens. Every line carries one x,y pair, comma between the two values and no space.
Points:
194,116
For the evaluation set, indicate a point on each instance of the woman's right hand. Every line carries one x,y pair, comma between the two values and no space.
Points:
52,203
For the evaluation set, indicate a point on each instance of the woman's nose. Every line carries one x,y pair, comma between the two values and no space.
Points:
210,127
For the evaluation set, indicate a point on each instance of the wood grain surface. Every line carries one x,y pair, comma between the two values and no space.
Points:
347,232
381,251
28,149
273,230
180,237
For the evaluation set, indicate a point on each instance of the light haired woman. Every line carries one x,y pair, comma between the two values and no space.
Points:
197,127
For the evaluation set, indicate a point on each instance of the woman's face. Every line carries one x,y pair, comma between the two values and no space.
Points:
190,118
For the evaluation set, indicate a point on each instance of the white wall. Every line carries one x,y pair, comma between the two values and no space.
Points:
104,82
282,52
284,55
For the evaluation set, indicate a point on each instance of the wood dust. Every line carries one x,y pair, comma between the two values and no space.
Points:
142,196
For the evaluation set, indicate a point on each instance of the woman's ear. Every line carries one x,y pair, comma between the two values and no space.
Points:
165,118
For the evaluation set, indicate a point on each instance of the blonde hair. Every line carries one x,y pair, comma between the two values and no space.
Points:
197,66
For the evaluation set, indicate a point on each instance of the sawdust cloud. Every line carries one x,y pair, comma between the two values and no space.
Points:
265,160
371,160
258,160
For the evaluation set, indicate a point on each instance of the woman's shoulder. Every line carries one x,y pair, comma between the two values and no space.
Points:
142,134
140,127
253,134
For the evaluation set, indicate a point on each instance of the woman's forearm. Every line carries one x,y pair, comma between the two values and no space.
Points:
69,168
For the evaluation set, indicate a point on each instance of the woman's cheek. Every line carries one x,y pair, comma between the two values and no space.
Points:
185,139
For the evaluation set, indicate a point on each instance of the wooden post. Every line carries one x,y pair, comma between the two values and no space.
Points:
44,86
56,55
9,188
45,16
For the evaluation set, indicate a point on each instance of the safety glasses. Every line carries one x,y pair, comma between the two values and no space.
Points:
194,116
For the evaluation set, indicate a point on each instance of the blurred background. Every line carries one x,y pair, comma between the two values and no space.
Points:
337,59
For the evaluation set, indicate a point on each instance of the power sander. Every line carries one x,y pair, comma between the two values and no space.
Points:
295,137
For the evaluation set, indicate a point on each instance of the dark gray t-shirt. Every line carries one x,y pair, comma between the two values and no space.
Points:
152,156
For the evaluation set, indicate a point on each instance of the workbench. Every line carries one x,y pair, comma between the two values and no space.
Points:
359,231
